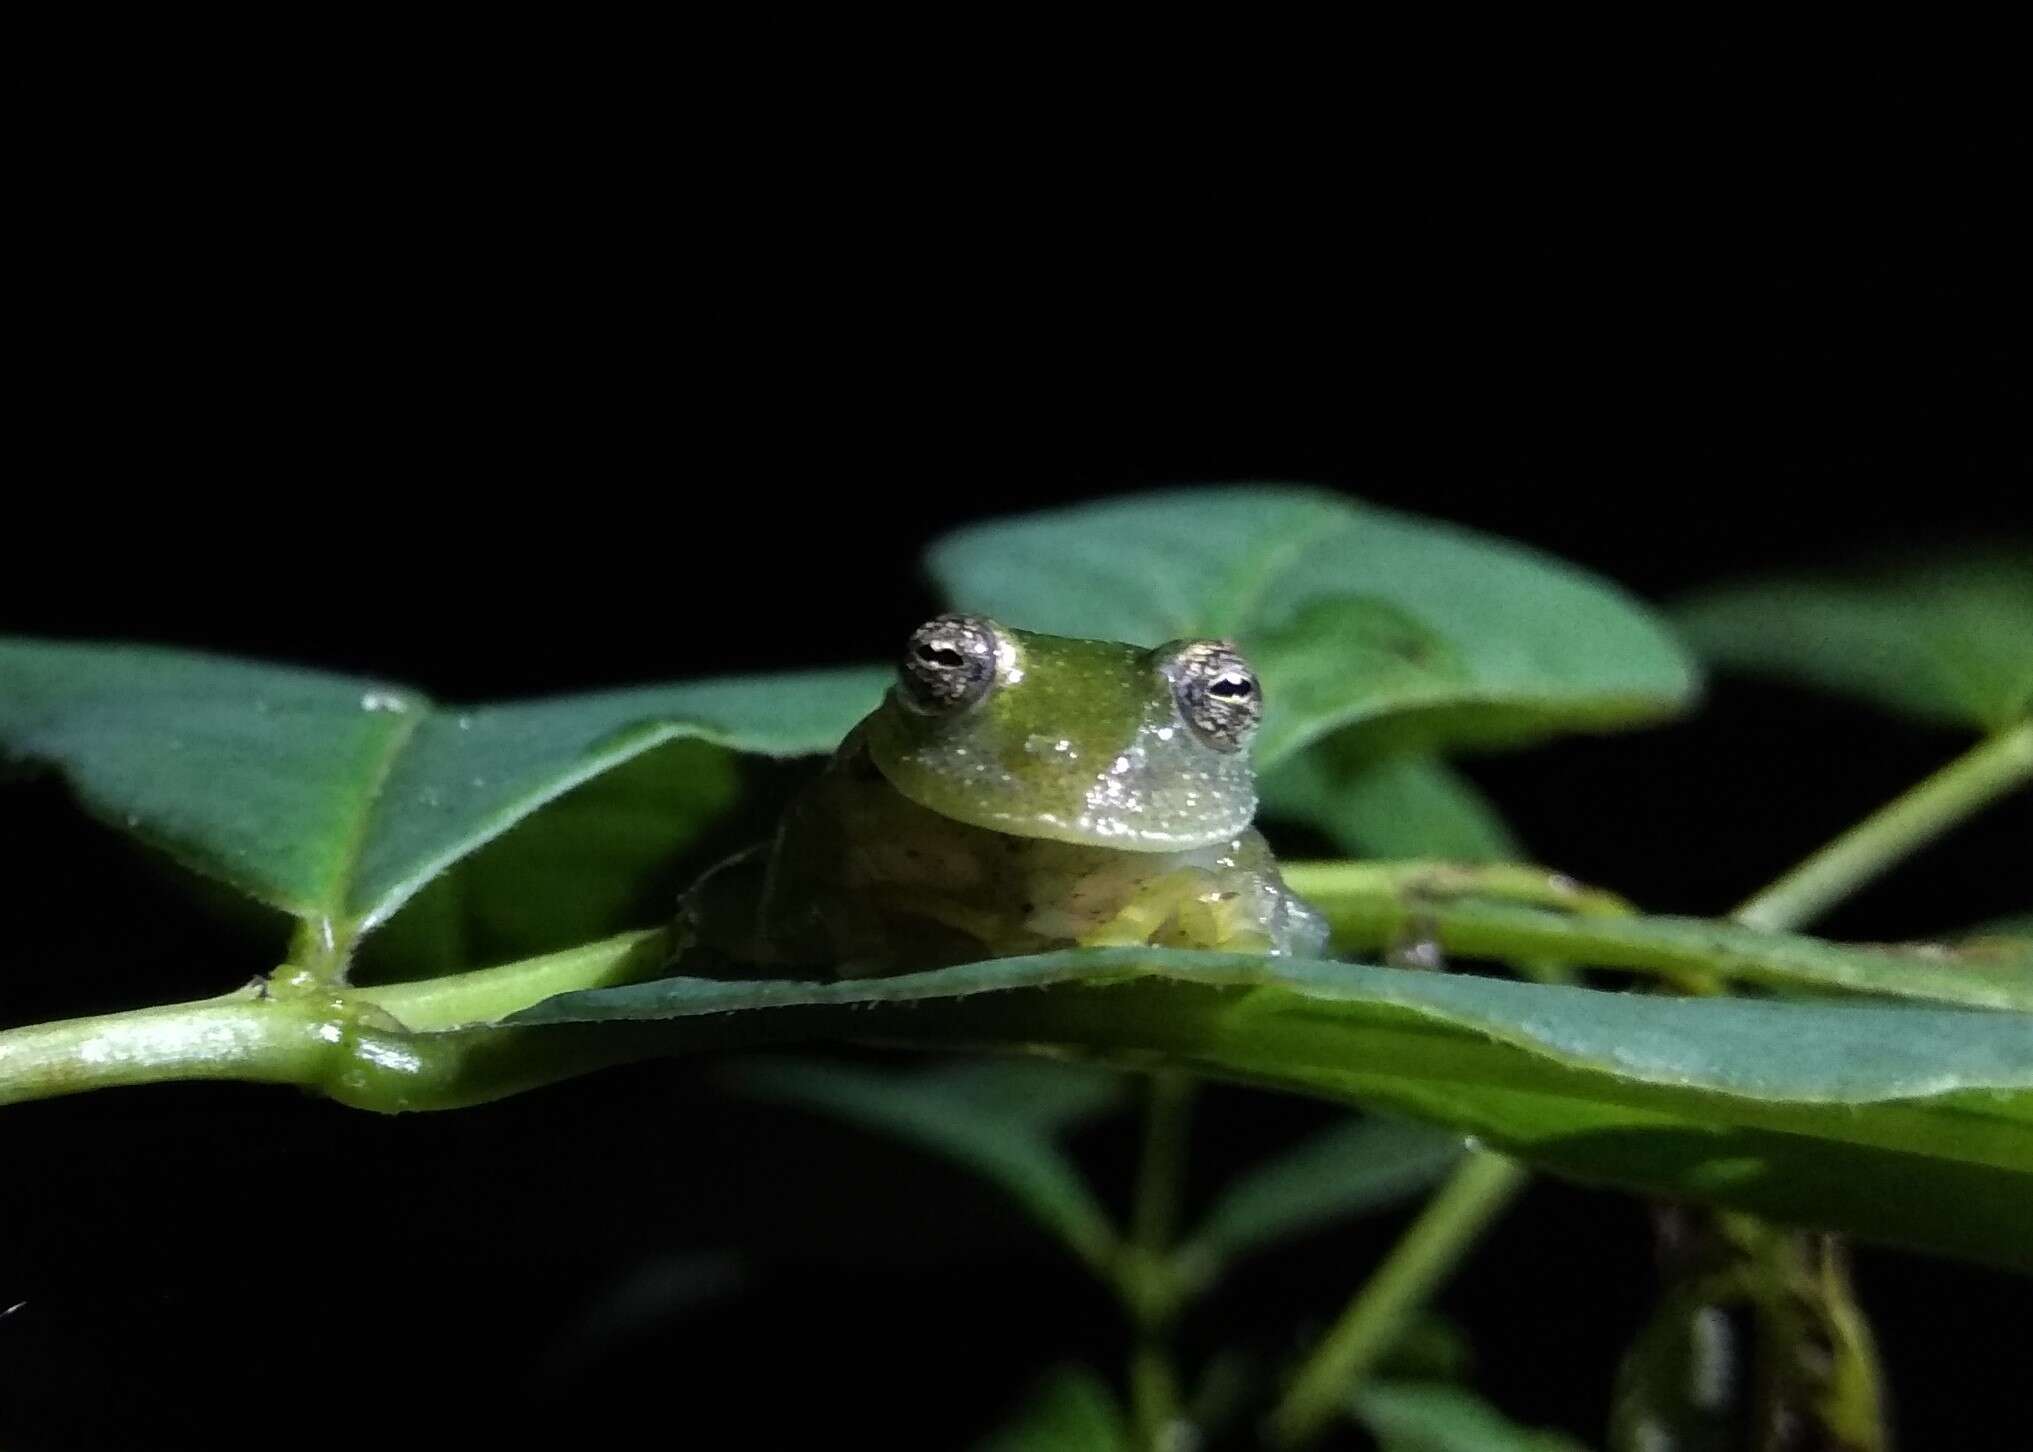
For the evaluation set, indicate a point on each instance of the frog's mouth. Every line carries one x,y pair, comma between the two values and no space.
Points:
1161,791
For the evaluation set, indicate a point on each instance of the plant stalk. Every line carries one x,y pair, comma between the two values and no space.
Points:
391,1048
1150,1279
1483,1186
1991,769
1423,1257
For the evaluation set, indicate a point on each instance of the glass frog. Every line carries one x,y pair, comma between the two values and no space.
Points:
1016,793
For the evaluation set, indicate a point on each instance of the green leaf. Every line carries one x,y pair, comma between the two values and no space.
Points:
1402,805
2019,925
1003,1145
1409,1416
1346,1170
606,856
1946,639
1045,1095
1072,1410
336,799
1905,1122
1352,613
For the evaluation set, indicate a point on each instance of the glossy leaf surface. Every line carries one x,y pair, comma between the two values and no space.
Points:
335,798
1351,613
1908,1122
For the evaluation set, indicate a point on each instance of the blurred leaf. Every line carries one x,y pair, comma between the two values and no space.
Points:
1352,613
1901,1121
641,1299
1046,1095
1009,1147
1428,1348
1346,1170
1401,805
1072,1410
1410,1416
1946,639
1681,1384
336,799
2016,926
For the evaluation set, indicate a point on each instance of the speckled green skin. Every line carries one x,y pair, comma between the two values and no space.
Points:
1069,807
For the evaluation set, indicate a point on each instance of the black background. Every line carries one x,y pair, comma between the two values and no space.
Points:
543,393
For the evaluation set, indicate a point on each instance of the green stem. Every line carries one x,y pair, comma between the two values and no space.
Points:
1150,1280
374,1048
1161,1172
1475,1195
489,994
237,1036
1916,817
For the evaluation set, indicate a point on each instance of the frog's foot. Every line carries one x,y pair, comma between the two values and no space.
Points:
1189,908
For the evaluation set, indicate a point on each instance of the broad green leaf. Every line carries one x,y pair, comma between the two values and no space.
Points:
336,799
1005,1146
1343,1171
607,856
1411,1416
1401,805
1352,613
1072,1410
1905,1122
1946,639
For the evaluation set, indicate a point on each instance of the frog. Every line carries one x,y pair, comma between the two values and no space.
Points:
1017,793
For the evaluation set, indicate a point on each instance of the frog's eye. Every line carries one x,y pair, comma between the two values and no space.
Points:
1218,694
948,665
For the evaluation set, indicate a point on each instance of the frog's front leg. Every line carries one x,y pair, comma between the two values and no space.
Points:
1187,908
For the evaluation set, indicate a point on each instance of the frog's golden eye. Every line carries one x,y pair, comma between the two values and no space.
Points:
948,664
1219,695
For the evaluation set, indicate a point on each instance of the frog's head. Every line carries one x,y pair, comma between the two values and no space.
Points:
1077,740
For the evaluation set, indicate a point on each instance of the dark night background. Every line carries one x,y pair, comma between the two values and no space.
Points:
529,412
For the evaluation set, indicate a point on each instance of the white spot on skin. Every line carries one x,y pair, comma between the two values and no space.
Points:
383,701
